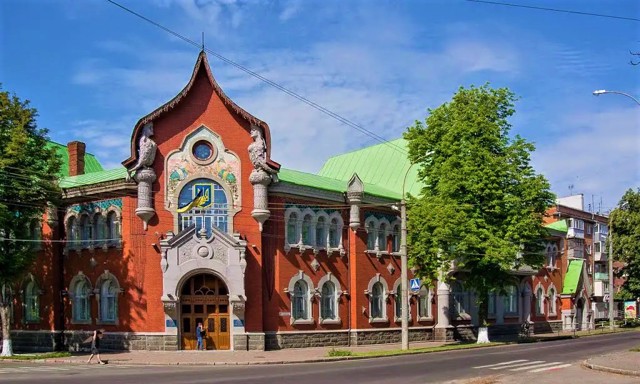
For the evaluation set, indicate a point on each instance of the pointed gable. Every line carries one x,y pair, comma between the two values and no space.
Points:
202,65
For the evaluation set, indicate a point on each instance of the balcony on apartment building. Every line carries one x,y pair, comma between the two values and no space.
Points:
601,276
600,288
575,253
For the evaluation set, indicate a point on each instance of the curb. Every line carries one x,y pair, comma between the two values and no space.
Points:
602,368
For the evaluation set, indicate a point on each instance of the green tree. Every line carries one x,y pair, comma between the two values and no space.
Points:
483,203
625,233
28,181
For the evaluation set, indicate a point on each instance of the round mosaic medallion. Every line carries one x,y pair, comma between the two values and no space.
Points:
202,150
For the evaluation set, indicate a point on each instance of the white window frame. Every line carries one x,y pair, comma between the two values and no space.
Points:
552,293
310,241
460,301
539,300
113,227
427,298
291,291
385,294
31,298
396,237
339,227
330,278
323,242
99,293
288,244
76,317
511,298
371,228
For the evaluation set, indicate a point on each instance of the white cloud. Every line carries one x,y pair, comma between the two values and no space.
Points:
599,156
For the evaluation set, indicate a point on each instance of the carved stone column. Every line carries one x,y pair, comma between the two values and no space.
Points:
355,192
260,181
145,177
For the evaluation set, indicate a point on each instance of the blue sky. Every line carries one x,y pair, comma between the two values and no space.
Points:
92,70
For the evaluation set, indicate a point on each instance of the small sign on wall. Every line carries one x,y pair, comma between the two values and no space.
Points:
284,313
238,323
170,323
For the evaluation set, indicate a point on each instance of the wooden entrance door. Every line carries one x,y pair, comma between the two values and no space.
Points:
205,299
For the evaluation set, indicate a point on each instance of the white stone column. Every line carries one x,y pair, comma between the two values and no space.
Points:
260,181
443,305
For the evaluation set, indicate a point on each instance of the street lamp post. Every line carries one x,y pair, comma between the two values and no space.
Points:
603,91
610,237
404,274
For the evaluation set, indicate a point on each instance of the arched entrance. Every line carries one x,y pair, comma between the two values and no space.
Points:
205,298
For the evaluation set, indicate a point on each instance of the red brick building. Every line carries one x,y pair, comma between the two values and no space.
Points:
201,225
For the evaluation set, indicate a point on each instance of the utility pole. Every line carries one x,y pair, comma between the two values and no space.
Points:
611,285
404,299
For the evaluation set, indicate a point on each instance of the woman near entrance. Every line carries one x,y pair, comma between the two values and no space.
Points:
199,336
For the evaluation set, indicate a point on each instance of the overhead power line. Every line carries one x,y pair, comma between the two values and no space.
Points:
554,10
272,83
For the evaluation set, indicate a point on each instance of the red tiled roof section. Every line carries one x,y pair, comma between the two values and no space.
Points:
201,63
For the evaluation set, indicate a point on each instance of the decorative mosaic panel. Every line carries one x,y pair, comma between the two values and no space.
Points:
96,205
181,165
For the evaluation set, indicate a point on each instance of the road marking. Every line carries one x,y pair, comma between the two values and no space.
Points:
550,368
498,364
536,366
519,365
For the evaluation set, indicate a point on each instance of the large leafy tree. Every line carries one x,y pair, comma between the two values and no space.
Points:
28,173
482,204
625,233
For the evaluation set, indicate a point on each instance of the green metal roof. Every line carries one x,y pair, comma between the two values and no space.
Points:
560,225
572,278
383,165
330,184
93,178
91,164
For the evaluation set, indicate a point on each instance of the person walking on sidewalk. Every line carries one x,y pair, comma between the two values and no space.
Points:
199,337
95,346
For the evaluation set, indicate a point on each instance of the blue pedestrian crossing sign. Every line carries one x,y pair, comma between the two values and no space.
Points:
414,284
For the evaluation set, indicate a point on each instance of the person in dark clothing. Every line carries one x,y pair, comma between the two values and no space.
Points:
95,346
199,337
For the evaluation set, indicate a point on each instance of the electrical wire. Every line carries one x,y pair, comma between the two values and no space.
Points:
554,10
272,83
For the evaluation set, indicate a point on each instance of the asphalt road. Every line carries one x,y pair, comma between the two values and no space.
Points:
516,360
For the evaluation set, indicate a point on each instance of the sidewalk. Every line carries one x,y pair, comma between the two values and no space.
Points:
624,363
283,356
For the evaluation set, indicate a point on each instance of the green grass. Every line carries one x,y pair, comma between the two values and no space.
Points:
339,353
395,352
36,356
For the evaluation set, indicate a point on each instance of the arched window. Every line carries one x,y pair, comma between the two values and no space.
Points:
491,311
36,233
86,231
328,301
334,234
109,301
99,229
540,301
460,299
32,303
552,301
112,226
551,256
292,229
371,236
382,238
321,232
424,303
299,306
511,300
307,230
377,301
398,302
207,206
395,238
80,309
73,235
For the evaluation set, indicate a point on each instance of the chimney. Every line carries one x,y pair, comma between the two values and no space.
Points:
76,158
